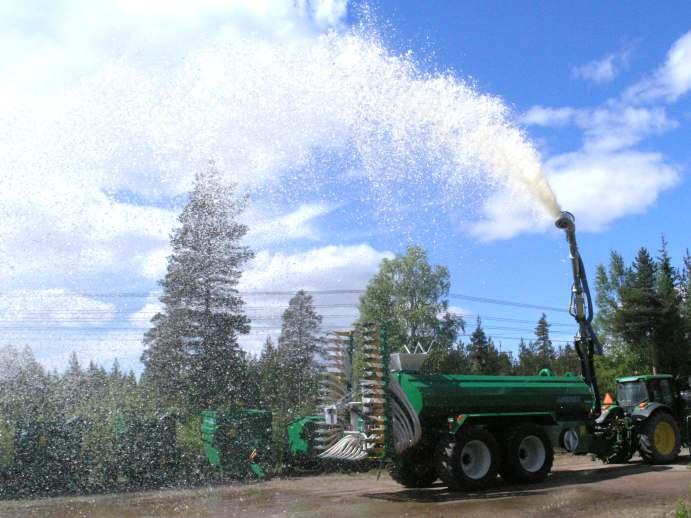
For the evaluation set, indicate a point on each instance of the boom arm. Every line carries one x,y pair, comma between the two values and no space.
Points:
581,308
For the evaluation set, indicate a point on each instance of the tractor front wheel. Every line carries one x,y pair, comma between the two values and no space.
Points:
468,461
659,440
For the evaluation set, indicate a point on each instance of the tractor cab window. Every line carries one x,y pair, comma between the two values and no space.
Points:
631,393
661,391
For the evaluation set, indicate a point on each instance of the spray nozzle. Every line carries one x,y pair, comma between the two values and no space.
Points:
566,221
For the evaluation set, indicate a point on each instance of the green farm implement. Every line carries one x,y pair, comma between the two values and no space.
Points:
465,430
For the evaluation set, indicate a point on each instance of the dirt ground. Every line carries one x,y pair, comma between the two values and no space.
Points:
576,487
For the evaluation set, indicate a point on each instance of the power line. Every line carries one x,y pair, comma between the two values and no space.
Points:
289,293
506,302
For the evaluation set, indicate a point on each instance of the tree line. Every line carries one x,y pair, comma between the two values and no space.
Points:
644,314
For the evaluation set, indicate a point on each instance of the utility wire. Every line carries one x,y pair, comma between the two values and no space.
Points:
289,293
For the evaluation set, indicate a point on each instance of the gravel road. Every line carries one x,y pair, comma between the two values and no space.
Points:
576,487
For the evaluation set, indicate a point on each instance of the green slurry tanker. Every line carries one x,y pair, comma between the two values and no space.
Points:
465,430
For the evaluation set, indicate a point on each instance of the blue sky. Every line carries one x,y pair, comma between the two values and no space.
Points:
356,128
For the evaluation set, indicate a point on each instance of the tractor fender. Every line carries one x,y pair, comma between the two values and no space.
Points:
641,414
610,412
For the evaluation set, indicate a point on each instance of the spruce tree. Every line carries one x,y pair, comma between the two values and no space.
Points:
567,360
543,345
638,314
669,329
483,355
191,353
528,361
298,347
270,376
686,301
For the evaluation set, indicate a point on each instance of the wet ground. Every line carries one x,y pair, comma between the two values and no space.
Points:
577,487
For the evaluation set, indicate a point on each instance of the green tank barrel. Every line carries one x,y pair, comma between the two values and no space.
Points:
569,398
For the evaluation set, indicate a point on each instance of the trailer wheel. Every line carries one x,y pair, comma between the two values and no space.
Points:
659,440
469,460
414,468
528,455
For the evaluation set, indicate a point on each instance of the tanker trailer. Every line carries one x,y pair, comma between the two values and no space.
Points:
460,428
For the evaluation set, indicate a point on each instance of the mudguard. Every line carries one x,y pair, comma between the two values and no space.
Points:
640,414
609,412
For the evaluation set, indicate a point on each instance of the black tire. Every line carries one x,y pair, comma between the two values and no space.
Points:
414,468
527,456
659,439
468,461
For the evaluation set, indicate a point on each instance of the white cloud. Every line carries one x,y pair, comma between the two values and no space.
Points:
52,45
326,268
23,310
617,126
602,70
614,125
598,187
669,82
546,116
266,228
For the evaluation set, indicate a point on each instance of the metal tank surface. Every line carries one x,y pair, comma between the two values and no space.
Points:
565,397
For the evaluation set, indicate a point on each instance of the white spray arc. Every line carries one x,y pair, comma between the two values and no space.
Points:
346,94
278,117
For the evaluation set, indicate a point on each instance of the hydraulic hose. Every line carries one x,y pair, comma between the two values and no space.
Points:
586,342
405,421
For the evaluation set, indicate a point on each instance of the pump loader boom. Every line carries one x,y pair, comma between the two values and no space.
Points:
581,308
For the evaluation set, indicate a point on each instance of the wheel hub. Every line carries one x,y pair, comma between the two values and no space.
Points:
664,438
532,453
475,459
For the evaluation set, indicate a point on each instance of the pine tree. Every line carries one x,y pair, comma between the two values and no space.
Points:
567,360
482,353
543,345
270,376
638,313
191,353
298,346
669,327
686,300
442,360
74,384
528,361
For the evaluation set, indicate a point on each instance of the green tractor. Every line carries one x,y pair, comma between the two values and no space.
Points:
651,415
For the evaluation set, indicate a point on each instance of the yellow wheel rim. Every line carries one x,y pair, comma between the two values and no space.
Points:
664,438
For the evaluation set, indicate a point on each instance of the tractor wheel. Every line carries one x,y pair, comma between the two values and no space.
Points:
528,455
414,468
659,440
469,460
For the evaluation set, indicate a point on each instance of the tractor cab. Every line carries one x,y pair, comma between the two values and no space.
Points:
638,392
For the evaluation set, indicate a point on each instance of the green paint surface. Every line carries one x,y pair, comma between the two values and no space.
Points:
569,398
